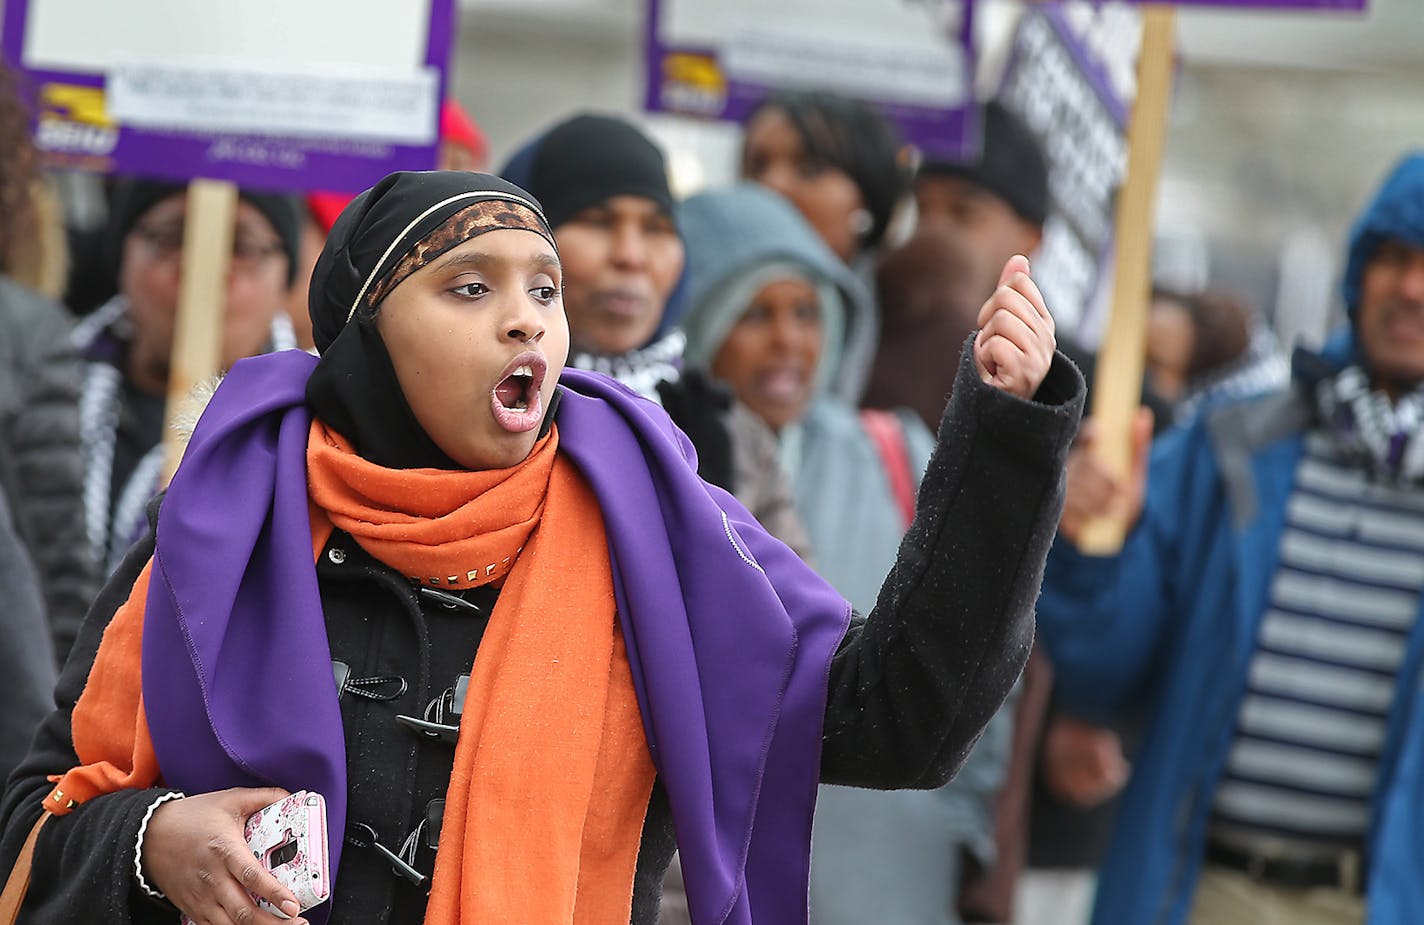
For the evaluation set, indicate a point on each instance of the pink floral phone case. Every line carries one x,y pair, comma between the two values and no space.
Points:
289,839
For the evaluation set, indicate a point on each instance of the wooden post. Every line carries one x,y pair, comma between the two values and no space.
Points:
1117,385
197,333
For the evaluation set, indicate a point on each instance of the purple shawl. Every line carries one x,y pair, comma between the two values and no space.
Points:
729,634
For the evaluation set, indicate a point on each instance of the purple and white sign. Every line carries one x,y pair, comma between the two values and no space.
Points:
1071,78
914,59
1296,5
322,94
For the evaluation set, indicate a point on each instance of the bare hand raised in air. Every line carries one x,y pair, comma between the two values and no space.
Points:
1015,345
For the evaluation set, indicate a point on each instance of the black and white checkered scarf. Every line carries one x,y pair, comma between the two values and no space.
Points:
1384,433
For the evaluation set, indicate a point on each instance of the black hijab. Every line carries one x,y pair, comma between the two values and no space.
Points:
371,248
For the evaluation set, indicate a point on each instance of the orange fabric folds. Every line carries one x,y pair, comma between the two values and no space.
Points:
552,773
108,724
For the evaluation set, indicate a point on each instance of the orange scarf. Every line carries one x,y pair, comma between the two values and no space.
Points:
546,804
545,808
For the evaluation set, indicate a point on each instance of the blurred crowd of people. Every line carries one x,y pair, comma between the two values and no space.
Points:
1218,724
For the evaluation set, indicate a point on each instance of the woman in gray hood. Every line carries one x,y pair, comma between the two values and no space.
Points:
774,314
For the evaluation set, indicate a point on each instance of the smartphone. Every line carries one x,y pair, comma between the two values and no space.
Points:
289,839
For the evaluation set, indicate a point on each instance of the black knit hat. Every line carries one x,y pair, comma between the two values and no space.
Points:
133,197
1012,166
589,159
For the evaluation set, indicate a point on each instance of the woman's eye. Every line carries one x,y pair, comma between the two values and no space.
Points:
966,212
594,218
809,168
757,314
1391,252
544,293
660,225
471,290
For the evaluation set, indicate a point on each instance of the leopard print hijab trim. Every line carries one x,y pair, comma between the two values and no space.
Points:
471,221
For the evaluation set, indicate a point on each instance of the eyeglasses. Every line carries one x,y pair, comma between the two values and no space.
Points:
248,254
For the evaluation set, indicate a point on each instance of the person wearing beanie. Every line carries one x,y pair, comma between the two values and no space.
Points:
770,308
605,190
971,217
483,604
997,201
127,342
1266,608
604,186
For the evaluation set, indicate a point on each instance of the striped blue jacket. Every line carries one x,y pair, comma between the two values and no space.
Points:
1170,624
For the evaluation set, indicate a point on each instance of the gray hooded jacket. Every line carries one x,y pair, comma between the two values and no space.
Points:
838,479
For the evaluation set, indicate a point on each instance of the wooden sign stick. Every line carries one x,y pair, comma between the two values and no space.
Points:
197,332
1117,385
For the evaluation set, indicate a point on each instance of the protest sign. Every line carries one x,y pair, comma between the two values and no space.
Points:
1351,6
323,94
1072,77
1122,357
268,94
912,58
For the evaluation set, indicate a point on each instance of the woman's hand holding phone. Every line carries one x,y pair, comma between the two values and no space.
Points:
196,854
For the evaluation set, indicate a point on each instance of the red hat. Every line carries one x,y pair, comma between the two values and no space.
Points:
325,207
457,126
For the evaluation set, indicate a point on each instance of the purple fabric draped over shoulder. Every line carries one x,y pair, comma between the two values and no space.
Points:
729,634
237,678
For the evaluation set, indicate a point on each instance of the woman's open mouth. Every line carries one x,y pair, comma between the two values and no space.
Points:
516,401
784,385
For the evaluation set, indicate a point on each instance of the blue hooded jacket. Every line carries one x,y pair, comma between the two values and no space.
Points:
1396,212
1172,622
